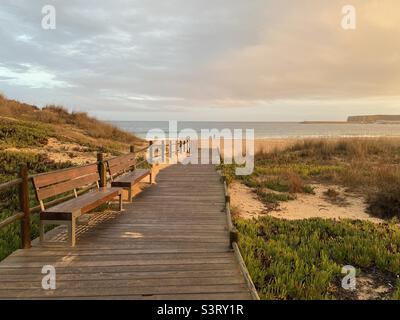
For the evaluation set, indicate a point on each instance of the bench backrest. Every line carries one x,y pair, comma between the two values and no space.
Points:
51,184
119,165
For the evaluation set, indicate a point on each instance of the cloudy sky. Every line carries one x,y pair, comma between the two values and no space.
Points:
237,60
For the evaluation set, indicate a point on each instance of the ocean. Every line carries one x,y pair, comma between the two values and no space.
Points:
271,129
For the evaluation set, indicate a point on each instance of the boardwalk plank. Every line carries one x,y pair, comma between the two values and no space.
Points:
170,243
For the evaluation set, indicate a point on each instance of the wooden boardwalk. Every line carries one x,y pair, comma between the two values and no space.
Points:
170,243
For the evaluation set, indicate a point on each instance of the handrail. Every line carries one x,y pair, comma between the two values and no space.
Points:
143,149
11,219
10,184
23,184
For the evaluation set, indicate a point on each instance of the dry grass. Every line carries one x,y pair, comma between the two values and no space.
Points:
58,115
368,166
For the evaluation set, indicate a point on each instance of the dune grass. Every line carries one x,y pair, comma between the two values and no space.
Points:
58,116
368,166
303,259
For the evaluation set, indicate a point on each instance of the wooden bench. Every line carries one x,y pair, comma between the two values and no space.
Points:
49,185
122,176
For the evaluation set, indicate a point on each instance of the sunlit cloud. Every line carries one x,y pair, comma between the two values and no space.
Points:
24,38
31,76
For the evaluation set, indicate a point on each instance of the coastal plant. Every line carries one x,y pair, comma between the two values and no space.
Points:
22,134
303,259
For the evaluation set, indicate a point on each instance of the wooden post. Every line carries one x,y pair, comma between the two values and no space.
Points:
102,170
151,154
24,203
233,237
151,159
163,148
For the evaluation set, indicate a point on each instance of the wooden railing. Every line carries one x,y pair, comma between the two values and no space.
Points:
234,239
23,181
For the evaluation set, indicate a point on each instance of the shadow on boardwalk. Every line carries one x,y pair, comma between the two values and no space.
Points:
170,243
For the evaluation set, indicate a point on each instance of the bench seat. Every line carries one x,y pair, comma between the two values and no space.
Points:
77,206
56,183
127,180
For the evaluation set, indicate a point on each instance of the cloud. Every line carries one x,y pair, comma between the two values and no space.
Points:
308,55
24,38
189,57
34,77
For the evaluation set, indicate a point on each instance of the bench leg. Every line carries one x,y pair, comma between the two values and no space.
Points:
72,232
120,200
130,194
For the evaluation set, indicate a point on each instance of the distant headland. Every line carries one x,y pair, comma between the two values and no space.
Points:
366,119
374,119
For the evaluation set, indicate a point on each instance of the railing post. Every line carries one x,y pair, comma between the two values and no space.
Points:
233,237
102,170
163,148
151,150
152,161
24,203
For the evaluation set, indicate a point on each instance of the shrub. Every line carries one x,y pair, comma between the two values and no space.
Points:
273,198
384,200
295,182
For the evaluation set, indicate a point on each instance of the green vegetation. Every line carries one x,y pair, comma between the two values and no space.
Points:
303,259
9,204
25,132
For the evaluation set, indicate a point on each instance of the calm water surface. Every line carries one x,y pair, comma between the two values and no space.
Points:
272,129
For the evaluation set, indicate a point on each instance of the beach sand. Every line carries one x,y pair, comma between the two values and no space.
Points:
245,202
